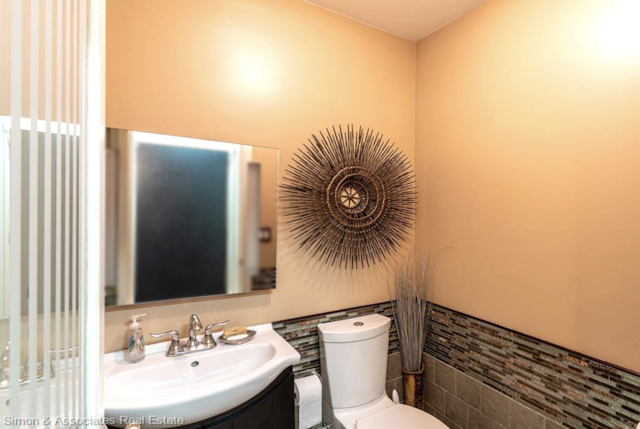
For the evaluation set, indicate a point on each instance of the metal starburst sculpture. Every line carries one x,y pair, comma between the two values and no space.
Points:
349,197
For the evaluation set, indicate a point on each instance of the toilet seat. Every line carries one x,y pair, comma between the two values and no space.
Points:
400,417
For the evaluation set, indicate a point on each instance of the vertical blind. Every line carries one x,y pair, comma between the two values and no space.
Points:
50,212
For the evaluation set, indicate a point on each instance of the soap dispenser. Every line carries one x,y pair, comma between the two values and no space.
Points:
135,340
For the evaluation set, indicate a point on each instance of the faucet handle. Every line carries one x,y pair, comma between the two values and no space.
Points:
175,336
174,347
208,340
209,329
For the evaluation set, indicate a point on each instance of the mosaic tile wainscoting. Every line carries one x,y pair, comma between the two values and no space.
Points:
462,402
480,375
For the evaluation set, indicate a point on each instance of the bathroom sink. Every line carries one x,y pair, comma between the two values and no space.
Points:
166,392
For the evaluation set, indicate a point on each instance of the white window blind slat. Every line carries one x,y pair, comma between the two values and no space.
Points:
67,210
93,310
33,263
58,216
74,218
48,219
15,268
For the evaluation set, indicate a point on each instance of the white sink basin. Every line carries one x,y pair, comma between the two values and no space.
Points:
166,392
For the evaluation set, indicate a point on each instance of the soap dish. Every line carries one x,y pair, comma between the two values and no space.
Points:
237,339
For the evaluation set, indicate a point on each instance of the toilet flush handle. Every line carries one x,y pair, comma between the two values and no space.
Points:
395,397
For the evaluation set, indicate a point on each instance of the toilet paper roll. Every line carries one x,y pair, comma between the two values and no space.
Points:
308,394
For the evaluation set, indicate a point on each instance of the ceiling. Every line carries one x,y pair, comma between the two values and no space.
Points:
409,19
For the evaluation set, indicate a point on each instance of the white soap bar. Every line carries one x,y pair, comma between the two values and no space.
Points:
237,337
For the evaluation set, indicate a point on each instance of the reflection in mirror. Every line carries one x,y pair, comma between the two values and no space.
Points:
187,218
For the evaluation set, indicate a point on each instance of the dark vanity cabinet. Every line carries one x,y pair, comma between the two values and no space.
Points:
273,408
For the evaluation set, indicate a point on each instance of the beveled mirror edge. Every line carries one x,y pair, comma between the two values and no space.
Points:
163,303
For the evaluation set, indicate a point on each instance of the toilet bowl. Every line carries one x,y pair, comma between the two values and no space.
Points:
353,357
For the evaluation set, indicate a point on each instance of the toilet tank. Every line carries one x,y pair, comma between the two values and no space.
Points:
353,355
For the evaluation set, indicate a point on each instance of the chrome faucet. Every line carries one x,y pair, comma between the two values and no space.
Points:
194,327
192,345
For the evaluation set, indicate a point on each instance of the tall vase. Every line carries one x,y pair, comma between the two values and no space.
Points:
413,387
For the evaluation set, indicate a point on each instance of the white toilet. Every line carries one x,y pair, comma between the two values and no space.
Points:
354,369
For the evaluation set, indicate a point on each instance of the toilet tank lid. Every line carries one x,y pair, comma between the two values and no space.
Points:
354,329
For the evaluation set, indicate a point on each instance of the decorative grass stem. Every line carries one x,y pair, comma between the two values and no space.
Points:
412,283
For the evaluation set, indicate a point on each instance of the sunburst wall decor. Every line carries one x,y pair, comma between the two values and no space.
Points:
349,197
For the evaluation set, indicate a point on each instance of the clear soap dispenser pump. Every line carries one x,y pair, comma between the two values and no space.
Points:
135,339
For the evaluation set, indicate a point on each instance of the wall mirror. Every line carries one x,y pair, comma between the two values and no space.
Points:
187,218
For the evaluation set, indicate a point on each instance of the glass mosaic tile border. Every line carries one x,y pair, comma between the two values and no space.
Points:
572,389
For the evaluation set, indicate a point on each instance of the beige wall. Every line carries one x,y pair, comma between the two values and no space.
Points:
5,62
258,72
528,147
